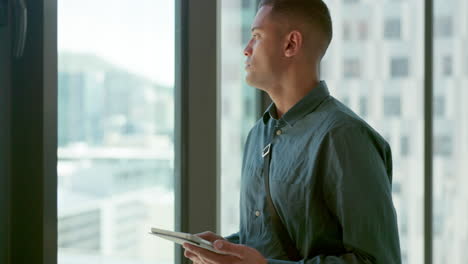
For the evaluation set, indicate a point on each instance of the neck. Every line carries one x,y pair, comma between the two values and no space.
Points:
291,91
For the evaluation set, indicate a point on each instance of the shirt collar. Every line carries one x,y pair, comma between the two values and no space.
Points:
305,106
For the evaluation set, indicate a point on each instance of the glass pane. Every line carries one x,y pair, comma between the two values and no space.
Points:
115,130
375,66
238,107
450,140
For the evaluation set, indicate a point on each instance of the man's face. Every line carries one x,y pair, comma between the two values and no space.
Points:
264,51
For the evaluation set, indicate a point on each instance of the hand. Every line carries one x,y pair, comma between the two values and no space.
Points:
209,236
237,254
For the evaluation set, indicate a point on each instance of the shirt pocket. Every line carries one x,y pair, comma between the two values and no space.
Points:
290,170
290,202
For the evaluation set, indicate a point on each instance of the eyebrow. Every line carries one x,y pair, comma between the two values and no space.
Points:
254,28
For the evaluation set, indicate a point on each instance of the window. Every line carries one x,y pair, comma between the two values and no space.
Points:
443,146
115,131
376,99
399,67
447,66
439,106
392,28
363,30
392,106
104,168
347,30
450,236
239,110
352,68
443,27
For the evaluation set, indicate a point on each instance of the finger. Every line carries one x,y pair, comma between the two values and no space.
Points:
208,256
237,250
189,254
210,236
197,260
195,254
194,258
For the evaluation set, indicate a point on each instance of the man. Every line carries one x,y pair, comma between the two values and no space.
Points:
330,173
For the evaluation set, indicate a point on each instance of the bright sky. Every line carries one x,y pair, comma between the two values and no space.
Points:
137,35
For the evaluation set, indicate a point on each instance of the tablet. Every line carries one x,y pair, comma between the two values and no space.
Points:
181,238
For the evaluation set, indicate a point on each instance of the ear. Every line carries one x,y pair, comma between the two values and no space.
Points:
293,43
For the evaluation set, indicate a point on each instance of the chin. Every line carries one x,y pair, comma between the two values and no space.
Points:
253,83
249,80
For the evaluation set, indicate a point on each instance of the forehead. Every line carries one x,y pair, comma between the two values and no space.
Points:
262,18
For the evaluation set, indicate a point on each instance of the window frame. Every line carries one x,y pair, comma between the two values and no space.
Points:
5,88
197,118
32,156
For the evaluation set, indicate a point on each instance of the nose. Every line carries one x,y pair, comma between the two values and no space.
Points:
248,50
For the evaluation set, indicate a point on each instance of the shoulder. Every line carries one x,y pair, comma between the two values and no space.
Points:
339,120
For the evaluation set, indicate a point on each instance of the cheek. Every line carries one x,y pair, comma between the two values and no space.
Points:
260,54
266,50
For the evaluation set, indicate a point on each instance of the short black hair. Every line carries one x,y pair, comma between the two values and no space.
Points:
313,12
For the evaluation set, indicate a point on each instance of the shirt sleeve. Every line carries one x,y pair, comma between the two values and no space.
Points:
357,191
234,238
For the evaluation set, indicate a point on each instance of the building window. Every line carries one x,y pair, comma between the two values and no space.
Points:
352,68
447,66
399,67
346,30
363,30
439,106
443,27
392,28
443,146
392,106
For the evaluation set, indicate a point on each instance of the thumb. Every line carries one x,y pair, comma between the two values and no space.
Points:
210,236
231,248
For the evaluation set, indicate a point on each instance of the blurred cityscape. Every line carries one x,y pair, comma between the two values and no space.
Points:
115,170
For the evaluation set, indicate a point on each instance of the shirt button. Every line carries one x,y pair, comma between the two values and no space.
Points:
257,213
279,132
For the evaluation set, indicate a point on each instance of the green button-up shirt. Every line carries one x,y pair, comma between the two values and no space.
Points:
330,180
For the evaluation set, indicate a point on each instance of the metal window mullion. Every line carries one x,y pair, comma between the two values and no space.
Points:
50,130
34,140
5,175
428,131
196,118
